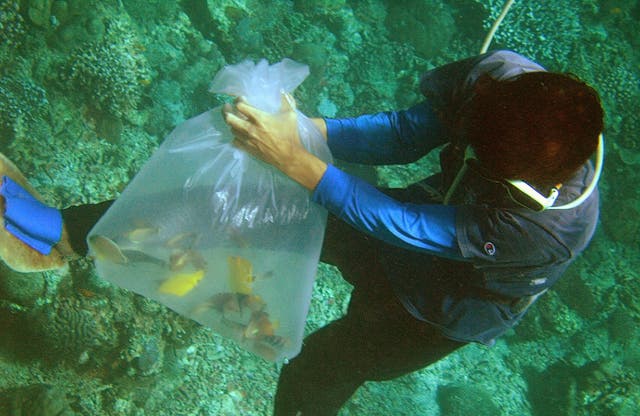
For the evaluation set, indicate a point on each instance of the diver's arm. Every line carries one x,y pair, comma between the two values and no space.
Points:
305,168
422,227
36,224
321,125
274,139
385,138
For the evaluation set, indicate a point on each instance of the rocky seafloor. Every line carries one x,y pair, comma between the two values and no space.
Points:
88,89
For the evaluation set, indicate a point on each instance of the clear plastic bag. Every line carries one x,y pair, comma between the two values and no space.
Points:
217,235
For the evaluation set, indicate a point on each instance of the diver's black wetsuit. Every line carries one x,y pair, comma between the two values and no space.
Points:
413,304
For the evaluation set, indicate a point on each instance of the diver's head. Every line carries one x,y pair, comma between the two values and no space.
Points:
539,127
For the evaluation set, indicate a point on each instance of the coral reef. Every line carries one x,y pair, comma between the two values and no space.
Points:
20,289
12,28
35,400
151,12
426,25
462,400
89,88
321,5
578,294
69,330
620,89
599,387
112,73
532,28
22,103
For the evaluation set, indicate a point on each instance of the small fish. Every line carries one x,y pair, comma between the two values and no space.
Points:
87,293
266,275
106,249
232,305
266,351
252,302
137,256
275,341
183,241
269,347
141,234
224,302
139,47
260,326
179,284
240,275
234,329
236,236
180,259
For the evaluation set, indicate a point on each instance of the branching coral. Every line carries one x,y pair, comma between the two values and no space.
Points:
67,329
21,102
111,72
619,86
428,26
11,23
12,28
543,31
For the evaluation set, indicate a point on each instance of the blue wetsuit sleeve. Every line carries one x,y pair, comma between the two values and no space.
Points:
29,220
386,138
424,227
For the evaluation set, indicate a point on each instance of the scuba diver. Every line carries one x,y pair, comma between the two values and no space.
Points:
456,258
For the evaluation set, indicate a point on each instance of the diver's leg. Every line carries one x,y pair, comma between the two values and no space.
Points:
79,220
320,380
317,381
347,248
377,339
337,359
36,236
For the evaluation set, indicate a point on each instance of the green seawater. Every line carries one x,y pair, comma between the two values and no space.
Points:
89,89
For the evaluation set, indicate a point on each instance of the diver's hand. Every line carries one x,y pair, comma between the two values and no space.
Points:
274,138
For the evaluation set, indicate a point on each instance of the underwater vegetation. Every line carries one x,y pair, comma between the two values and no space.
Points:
89,89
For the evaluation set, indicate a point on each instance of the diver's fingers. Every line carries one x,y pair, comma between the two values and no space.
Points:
247,110
227,109
239,125
238,143
245,146
287,102
230,109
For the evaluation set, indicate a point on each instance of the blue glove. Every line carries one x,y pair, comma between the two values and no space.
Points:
29,220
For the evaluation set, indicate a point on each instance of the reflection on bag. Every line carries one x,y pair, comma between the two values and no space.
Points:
217,235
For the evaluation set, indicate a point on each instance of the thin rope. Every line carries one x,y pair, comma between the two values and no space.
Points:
494,27
485,46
